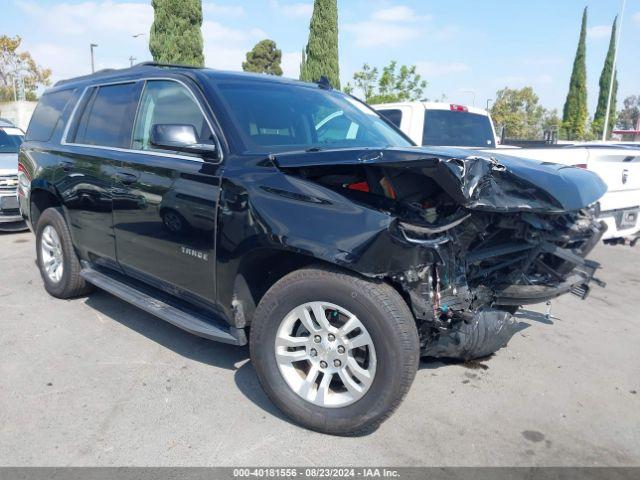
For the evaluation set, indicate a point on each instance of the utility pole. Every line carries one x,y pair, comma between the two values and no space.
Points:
131,60
93,67
489,100
613,74
473,93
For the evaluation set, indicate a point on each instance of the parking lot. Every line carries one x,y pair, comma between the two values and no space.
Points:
94,381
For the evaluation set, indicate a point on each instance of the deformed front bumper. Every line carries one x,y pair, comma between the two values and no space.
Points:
581,274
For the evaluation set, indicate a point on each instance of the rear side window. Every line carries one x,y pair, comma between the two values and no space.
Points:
394,116
47,115
457,129
107,119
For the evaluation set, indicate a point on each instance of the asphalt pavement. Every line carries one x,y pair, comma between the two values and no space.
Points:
94,381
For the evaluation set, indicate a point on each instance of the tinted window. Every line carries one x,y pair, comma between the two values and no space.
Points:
165,102
394,116
47,115
107,118
277,116
457,129
10,139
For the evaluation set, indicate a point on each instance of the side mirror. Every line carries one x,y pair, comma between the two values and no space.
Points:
180,138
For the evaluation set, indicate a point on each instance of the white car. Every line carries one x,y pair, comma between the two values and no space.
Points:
444,124
10,139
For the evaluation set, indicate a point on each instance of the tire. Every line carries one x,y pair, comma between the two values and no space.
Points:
394,342
69,284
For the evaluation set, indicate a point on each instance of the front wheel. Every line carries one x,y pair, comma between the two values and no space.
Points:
335,352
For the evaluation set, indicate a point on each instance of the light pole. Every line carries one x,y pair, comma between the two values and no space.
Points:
613,74
93,67
489,100
473,93
137,35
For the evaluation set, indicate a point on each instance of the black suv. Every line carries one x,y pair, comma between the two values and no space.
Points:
254,209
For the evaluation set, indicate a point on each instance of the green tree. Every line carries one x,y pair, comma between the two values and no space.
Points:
519,112
18,69
574,117
628,117
175,34
392,85
265,57
605,85
320,58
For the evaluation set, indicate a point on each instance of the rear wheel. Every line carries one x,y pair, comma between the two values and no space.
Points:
335,352
59,265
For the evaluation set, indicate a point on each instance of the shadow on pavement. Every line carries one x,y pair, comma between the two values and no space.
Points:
229,357
190,346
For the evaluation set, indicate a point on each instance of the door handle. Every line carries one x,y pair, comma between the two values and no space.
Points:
126,178
66,165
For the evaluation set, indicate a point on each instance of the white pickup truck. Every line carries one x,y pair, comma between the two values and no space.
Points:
444,124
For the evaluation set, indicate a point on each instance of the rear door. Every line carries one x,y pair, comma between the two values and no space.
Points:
93,147
165,202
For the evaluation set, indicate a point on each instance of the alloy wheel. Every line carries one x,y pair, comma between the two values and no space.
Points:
325,354
51,252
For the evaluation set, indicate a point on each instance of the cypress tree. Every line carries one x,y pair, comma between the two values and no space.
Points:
322,48
605,82
575,111
175,34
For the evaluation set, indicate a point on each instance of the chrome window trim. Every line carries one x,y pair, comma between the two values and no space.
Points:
154,153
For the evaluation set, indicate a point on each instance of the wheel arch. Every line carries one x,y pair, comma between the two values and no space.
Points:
260,269
41,197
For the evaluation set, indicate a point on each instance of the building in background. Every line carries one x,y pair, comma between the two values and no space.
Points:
19,113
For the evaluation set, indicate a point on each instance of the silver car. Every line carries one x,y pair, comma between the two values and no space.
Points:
10,139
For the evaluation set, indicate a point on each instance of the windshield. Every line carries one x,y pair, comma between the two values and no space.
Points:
10,139
279,117
457,129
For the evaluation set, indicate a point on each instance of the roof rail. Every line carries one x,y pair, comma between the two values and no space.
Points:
165,65
99,73
111,70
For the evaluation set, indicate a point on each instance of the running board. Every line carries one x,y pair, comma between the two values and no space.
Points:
162,308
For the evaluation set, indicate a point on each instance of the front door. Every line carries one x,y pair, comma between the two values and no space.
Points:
165,202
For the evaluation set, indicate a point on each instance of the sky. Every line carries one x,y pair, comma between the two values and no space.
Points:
465,49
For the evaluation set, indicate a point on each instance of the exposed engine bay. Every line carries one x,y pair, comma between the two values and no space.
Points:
492,242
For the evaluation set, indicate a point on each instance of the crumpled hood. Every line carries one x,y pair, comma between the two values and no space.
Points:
8,163
473,179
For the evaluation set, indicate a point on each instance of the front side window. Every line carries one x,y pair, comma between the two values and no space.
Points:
166,102
47,115
457,129
107,119
278,117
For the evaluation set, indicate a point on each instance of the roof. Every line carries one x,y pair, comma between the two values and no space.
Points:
145,69
430,106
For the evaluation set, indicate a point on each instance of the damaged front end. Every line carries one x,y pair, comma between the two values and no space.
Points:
487,234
